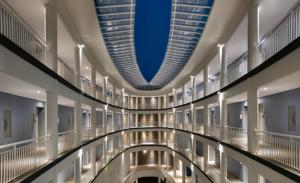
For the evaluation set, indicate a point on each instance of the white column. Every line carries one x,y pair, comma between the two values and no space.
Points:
93,81
193,87
252,97
167,101
193,147
192,117
114,95
159,137
205,118
93,160
105,118
183,94
52,123
205,74
78,61
77,169
105,88
174,166
136,158
93,120
205,147
223,167
223,64
159,158
223,114
105,150
183,171
253,33
77,121
129,101
136,138
159,120
174,98
122,101
51,35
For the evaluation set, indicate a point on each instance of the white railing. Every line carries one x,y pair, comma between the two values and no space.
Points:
236,136
21,34
21,157
237,69
100,131
65,141
187,126
148,124
86,86
199,129
278,147
199,94
213,86
282,35
214,131
65,71
86,133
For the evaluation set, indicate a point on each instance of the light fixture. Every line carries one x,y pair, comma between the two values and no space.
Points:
221,148
87,68
265,89
38,92
81,46
144,151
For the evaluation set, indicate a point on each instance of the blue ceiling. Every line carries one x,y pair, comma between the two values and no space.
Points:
150,41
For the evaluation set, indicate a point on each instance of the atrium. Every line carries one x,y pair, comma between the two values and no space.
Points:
150,91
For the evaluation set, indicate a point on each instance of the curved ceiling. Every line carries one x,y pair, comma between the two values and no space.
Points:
148,44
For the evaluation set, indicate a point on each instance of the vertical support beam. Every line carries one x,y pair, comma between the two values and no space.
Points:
205,145
205,74
183,94
93,120
52,123
253,34
159,158
114,95
136,158
123,99
105,118
192,117
174,97
223,114
77,169
223,167
93,160
193,148
77,121
136,138
93,81
183,169
174,166
129,101
51,35
159,120
105,150
78,61
167,101
205,118
223,64
193,87
252,97
105,88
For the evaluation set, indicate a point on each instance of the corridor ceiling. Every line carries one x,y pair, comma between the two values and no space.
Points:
150,41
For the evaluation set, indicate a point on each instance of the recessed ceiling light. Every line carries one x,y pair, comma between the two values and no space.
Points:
38,92
265,89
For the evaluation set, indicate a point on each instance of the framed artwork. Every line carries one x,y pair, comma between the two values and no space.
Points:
292,118
7,123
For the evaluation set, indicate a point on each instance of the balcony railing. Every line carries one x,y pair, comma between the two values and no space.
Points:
14,28
86,133
21,157
213,86
236,136
199,129
282,35
278,147
214,131
237,69
65,141
65,71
